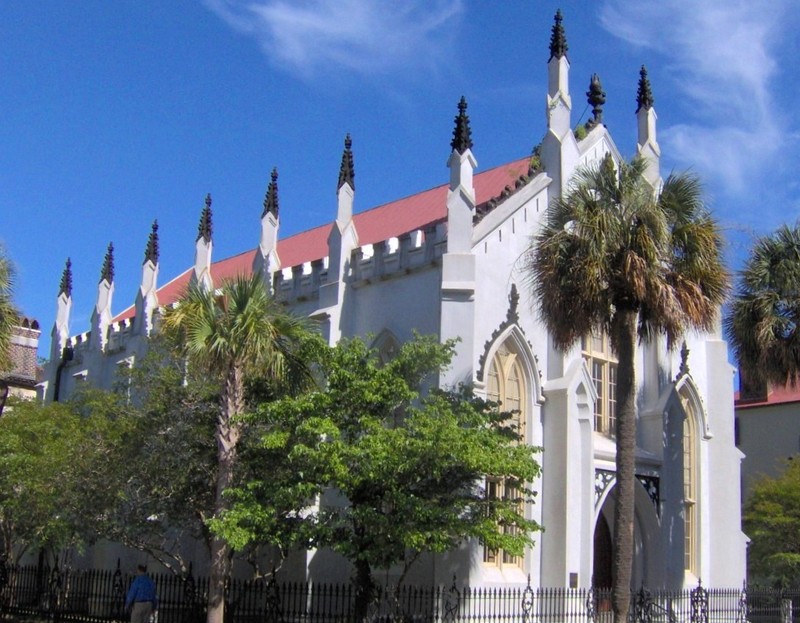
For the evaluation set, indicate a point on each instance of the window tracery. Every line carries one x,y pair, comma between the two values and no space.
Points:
602,361
506,386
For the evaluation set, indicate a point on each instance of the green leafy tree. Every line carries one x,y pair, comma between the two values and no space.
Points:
53,497
763,319
395,472
164,476
618,258
772,521
228,334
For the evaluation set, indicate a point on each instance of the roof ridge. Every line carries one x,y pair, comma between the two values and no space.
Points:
427,190
311,239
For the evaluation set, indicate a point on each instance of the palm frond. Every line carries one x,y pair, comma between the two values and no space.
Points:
9,315
762,324
612,242
240,324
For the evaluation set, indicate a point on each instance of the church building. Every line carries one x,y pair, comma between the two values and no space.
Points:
446,262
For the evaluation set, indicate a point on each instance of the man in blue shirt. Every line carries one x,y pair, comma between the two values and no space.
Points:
142,597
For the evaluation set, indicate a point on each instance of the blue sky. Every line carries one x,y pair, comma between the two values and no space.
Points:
118,113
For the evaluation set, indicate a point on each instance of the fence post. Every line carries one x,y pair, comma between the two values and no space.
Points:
3,582
117,593
452,603
786,611
55,593
699,601
640,602
189,606
741,615
527,601
273,612
591,612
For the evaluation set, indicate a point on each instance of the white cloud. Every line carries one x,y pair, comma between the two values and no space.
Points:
720,55
310,37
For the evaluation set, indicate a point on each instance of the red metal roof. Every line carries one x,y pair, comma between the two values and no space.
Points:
775,396
373,225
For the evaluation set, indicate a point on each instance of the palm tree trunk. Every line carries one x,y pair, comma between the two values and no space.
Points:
625,329
228,433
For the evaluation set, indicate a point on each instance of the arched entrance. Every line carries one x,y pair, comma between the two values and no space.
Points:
602,577
646,555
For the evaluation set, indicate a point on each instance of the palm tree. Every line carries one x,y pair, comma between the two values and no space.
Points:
231,333
9,318
762,324
619,258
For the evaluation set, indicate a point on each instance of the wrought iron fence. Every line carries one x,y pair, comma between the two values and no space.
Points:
99,596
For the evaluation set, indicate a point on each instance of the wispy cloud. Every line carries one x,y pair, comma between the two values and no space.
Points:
721,56
310,37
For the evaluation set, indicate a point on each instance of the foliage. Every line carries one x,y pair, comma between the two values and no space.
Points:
55,462
9,316
369,467
763,319
772,521
164,475
241,327
610,244
229,334
617,258
535,162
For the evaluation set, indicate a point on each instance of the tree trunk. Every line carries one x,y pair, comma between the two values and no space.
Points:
625,330
364,589
228,433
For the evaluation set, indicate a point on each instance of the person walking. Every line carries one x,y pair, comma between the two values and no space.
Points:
141,600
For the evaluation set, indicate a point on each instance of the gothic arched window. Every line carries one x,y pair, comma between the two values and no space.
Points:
505,385
690,487
603,367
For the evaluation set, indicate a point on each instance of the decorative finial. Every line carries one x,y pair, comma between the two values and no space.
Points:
271,198
684,369
596,97
644,96
513,304
608,168
66,280
204,229
107,273
347,171
151,252
558,39
462,134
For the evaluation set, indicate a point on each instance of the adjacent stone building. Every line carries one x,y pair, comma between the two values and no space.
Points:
767,431
20,381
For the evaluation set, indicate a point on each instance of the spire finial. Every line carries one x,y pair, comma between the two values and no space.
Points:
271,198
204,228
462,134
65,287
151,251
644,96
107,273
347,172
558,39
684,367
596,97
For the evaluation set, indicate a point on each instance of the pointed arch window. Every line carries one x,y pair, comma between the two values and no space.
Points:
603,367
690,487
506,386
387,346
